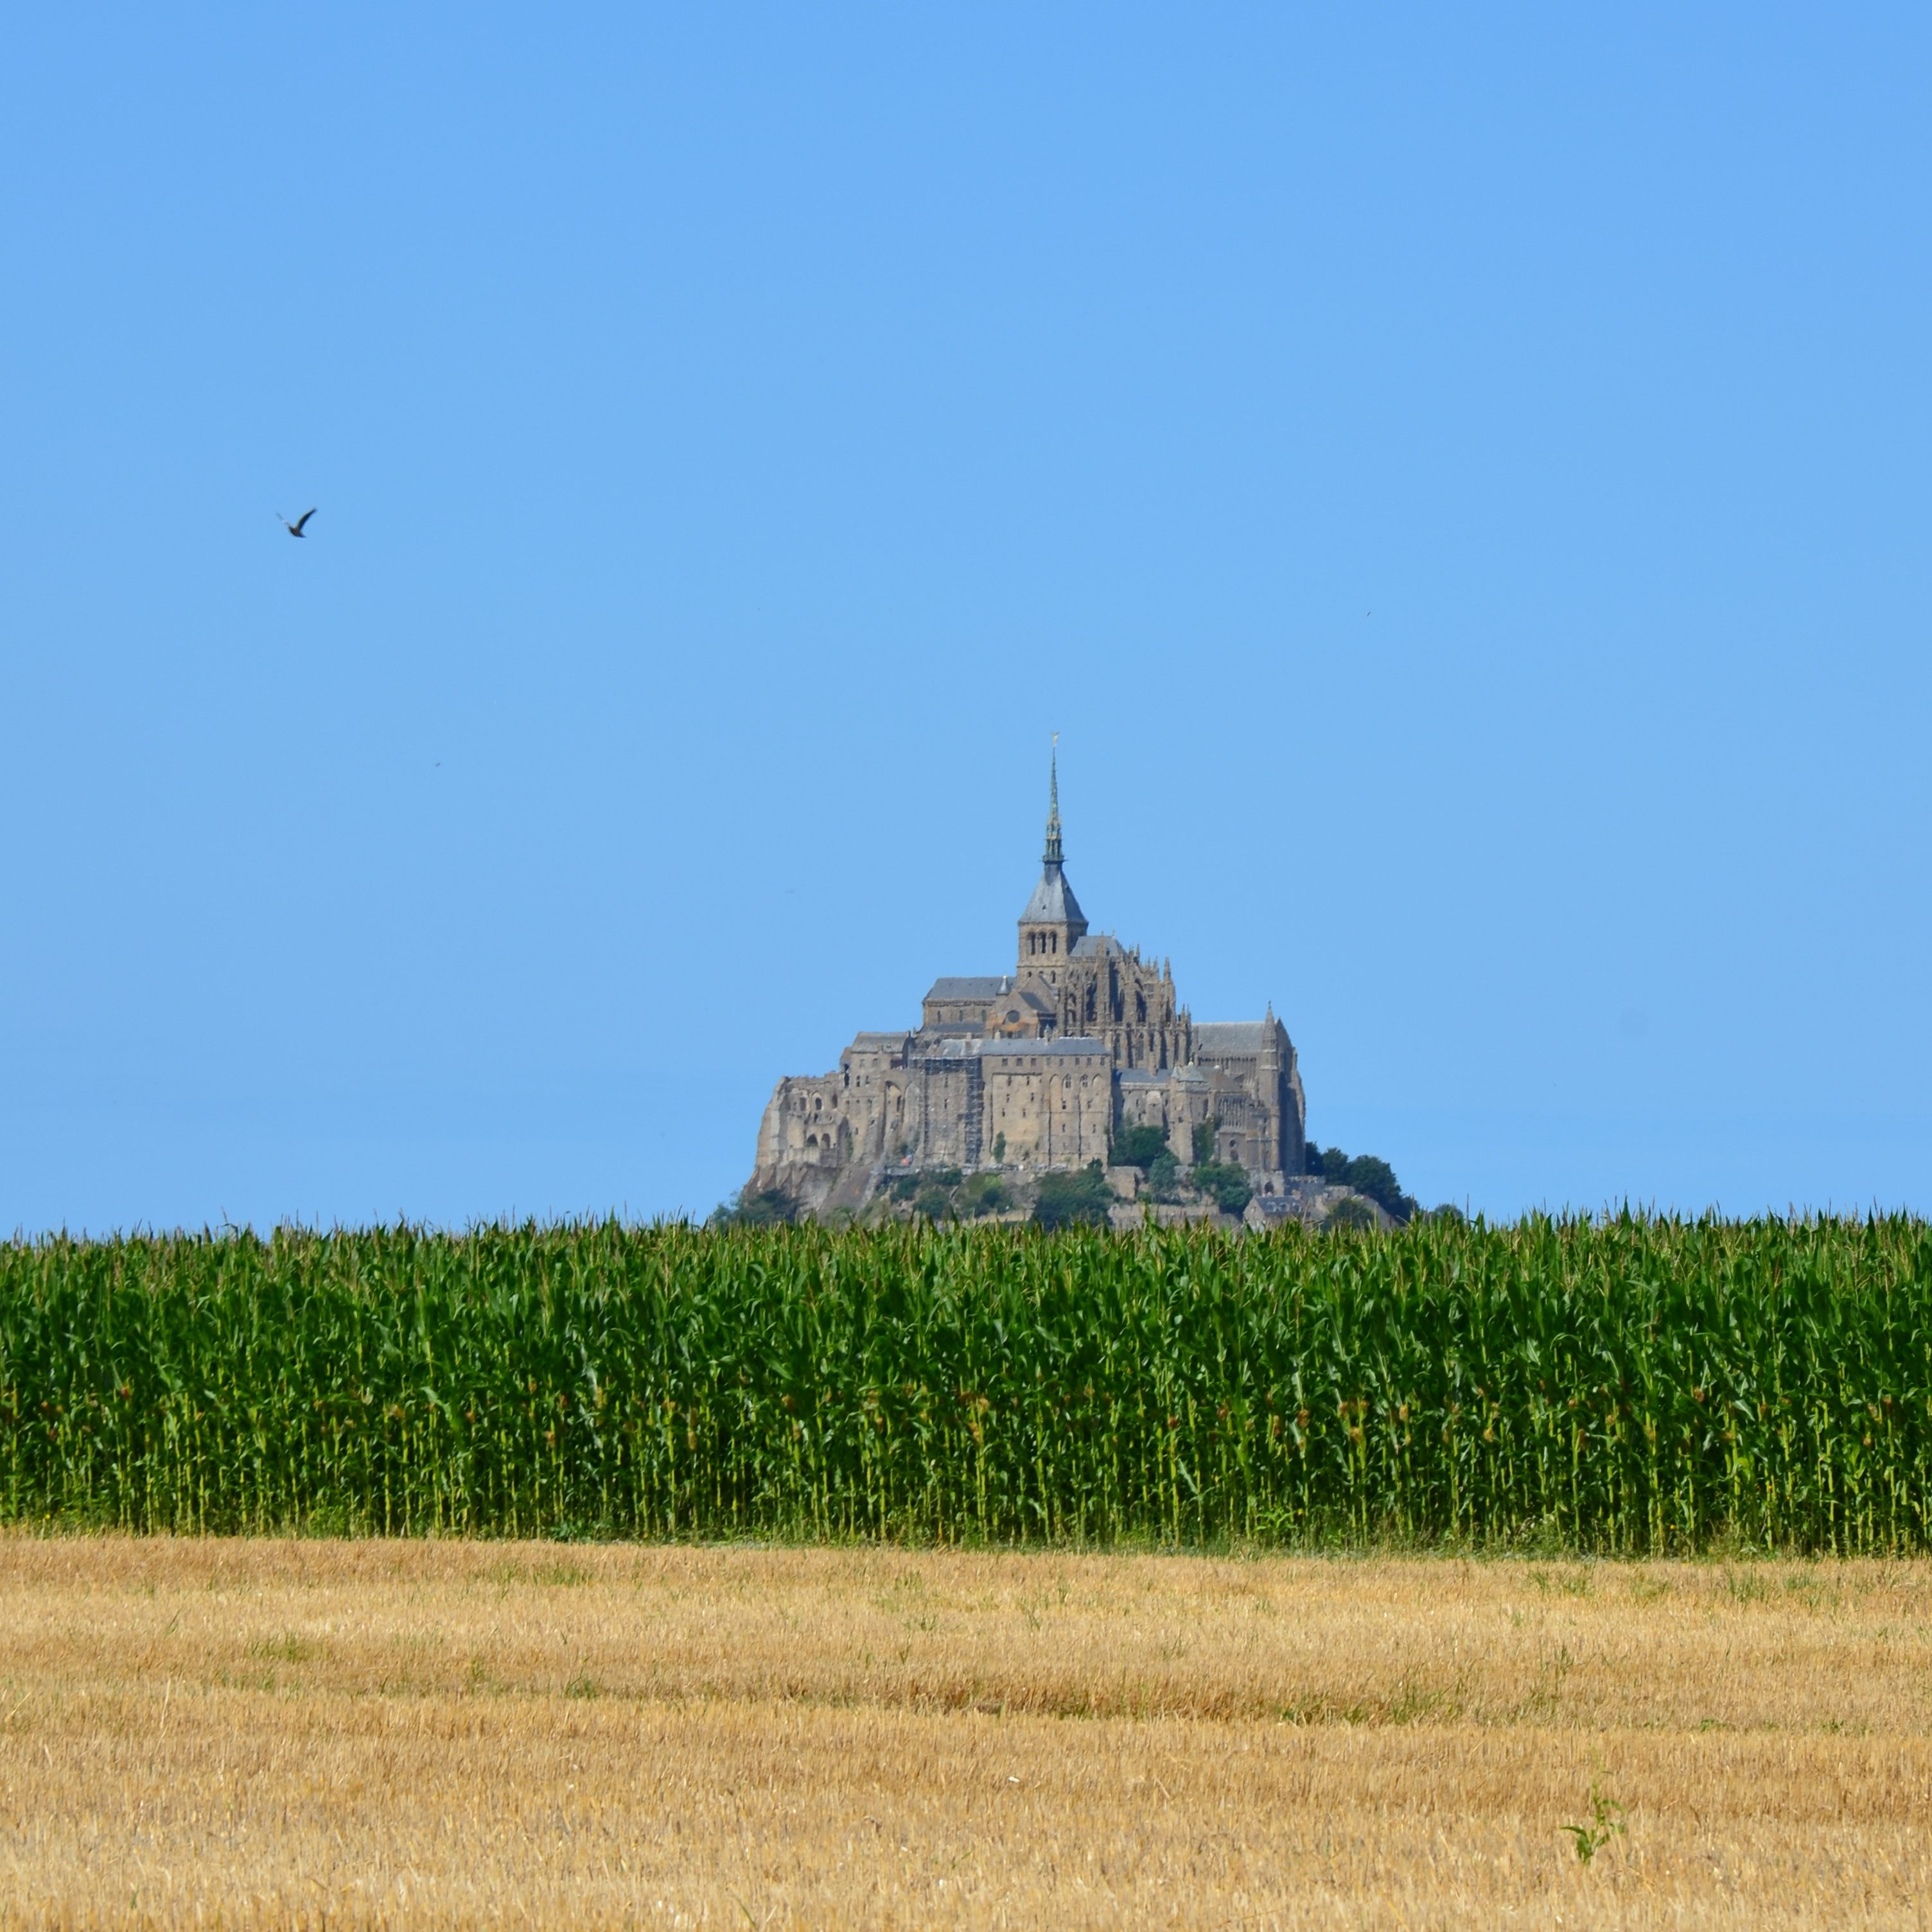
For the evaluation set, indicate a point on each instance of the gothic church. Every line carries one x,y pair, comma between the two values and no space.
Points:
1035,1069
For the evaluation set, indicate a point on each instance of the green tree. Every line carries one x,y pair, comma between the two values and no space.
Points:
1137,1147
1348,1214
1226,1184
984,1194
1204,1141
772,1207
1064,1200
1367,1174
1331,1163
1376,1179
1163,1176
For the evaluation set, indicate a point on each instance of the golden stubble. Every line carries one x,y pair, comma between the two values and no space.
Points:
279,1733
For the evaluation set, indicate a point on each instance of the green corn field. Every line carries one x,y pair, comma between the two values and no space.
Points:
1626,1385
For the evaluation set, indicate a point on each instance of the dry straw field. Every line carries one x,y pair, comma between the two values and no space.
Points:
447,1733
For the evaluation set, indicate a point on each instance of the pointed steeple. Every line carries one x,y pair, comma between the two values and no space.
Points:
1052,855
1053,923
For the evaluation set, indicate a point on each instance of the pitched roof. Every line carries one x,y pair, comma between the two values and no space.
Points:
1214,1038
1053,903
977,986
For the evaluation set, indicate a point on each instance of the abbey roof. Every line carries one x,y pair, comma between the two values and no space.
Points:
1053,903
973,986
1212,1038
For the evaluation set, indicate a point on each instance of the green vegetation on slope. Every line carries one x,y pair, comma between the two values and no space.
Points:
1137,1146
1631,1385
1367,1174
1081,1197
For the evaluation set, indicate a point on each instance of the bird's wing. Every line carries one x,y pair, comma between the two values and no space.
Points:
303,519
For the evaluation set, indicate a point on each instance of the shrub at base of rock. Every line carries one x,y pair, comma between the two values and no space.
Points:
1062,1199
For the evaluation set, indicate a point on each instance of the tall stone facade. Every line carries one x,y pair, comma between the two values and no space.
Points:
1036,1070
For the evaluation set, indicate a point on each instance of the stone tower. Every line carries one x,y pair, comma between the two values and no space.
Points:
1052,924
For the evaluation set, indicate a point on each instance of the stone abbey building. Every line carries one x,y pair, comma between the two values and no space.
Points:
1034,1069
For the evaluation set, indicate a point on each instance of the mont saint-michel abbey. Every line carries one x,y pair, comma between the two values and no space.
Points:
1035,1069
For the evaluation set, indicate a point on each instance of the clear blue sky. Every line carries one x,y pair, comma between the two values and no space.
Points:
1456,479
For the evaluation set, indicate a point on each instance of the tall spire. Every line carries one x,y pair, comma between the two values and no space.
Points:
1053,807
1053,924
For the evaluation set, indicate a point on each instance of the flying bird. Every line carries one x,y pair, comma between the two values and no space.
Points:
296,529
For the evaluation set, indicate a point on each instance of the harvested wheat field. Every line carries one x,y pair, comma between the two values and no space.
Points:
271,1733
